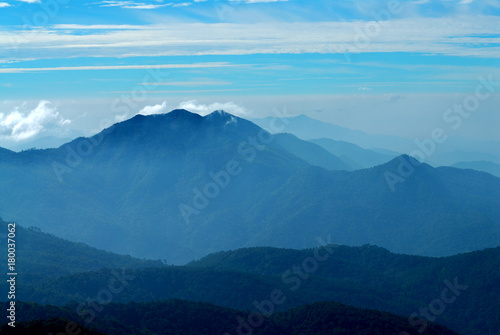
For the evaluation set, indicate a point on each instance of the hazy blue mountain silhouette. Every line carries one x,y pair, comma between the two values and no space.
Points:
308,128
313,153
352,154
158,187
453,150
485,166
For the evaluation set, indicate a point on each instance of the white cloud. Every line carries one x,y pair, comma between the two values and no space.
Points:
203,109
18,126
155,109
190,83
459,36
4,4
257,1
30,1
130,5
139,5
116,67
121,117
182,4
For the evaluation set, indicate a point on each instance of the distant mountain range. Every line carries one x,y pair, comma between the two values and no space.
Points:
486,166
367,277
177,186
353,155
453,150
307,128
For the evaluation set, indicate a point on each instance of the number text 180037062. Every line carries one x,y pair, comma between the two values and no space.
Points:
11,274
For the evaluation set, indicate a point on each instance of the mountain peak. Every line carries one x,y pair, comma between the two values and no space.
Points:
181,112
402,161
302,117
408,158
220,114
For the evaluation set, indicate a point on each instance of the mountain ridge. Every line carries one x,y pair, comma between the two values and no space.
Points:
178,185
184,317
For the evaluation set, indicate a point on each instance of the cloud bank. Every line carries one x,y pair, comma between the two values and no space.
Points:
155,109
203,109
18,126
198,108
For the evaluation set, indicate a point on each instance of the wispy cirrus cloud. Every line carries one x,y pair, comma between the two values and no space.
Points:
460,36
257,1
139,5
116,67
189,83
129,4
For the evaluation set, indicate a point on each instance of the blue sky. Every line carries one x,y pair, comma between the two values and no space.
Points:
380,66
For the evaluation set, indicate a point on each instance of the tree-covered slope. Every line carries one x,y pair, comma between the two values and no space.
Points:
372,277
365,277
41,255
49,326
182,317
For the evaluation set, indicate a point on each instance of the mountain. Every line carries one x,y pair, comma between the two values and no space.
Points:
313,153
182,317
354,155
53,271
364,277
331,318
391,205
307,128
452,150
485,166
128,183
44,327
369,276
450,158
6,154
177,186
40,255
42,142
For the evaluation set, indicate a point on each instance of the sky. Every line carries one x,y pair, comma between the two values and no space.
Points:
394,67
